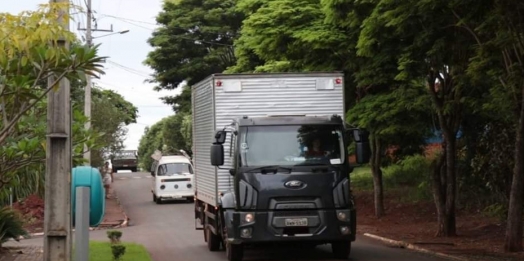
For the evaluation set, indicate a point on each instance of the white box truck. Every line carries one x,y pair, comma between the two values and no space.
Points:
271,163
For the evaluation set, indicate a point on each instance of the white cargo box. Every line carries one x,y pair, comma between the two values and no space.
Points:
220,98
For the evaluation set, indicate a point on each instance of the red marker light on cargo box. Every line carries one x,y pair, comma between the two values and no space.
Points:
338,81
219,83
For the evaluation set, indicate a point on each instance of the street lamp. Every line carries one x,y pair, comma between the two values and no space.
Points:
121,32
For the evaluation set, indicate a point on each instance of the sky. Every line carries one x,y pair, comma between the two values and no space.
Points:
124,70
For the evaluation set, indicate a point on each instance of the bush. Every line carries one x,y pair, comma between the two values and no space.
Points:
118,251
411,173
11,225
114,236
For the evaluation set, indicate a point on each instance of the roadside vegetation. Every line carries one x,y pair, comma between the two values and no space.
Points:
28,59
439,85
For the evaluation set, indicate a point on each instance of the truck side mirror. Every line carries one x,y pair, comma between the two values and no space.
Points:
152,173
217,154
363,150
220,137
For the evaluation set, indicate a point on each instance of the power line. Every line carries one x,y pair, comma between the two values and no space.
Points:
131,70
127,20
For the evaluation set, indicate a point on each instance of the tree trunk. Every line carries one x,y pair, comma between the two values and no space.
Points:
451,186
514,233
439,192
378,188
445,184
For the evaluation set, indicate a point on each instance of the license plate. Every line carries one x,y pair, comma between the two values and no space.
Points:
125,165
296,222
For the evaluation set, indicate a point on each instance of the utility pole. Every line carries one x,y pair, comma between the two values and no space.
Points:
87,94
57,213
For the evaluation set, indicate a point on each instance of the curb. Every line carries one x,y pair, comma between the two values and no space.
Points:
407,245
121,225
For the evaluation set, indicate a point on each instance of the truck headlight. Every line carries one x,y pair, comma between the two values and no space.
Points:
341,216
249,217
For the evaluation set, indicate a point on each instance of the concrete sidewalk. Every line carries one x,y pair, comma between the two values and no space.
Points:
32,249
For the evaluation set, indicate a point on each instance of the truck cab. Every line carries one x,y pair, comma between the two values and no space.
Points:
291,183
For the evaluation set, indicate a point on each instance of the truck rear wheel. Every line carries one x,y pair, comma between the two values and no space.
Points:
341,249
213,241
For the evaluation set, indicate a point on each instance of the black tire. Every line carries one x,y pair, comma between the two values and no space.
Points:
133,170
341,249
213,241
158,200
191,199
154,198
234,252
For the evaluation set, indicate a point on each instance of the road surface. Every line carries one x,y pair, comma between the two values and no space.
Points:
167,231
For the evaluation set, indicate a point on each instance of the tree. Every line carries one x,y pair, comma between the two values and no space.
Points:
498,30
27,61
439,53
288,36
396,118
195,39
150,141
173,138
110,115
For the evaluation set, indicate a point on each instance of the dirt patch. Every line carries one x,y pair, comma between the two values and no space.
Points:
32,210
479,237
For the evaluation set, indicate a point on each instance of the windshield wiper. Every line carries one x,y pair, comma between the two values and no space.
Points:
265,169
321,165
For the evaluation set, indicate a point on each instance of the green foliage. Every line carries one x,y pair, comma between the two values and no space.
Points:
288,35
150,141
114,236
169,135
411,173
11,225
194,40
118,251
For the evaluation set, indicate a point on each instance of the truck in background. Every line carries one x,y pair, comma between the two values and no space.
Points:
271,163
125,160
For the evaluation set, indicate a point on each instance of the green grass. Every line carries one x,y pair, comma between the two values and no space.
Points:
101,251
411,175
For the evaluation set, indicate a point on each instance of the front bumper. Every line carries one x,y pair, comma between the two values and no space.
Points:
323,226
177,195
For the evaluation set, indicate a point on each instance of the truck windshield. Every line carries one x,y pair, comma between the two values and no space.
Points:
291,145
174,169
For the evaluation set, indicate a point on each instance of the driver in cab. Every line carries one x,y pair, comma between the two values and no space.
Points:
315,150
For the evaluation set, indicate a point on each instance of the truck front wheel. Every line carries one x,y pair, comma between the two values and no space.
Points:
234,252
341,249
213,241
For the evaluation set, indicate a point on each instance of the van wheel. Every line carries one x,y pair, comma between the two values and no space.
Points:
158,200
341,249
154,198
213,241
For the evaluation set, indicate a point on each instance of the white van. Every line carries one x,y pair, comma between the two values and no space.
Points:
173,178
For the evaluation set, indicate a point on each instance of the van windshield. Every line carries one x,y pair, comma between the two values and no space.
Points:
291,145
169,169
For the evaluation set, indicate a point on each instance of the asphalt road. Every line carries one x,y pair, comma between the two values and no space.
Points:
168,232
